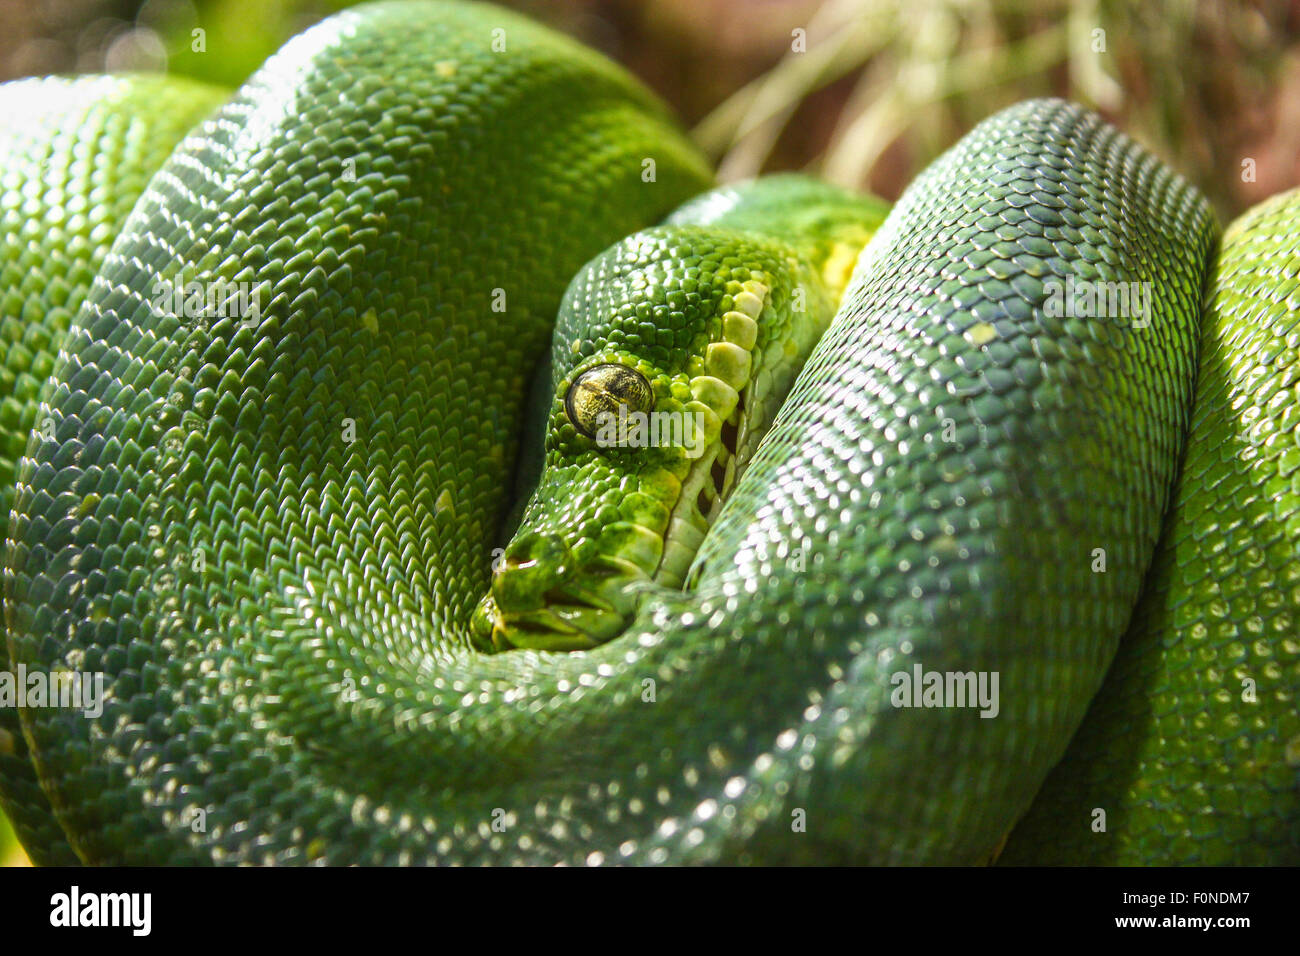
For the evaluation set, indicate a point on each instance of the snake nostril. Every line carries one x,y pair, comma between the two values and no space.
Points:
533,563
535,549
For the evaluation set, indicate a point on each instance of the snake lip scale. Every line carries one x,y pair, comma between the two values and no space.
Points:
549,511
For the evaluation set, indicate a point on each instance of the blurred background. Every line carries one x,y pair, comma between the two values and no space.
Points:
862,92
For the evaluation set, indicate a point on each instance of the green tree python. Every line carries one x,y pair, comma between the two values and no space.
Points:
366,586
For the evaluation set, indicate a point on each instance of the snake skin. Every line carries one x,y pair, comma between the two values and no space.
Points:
947,462
1192,747
90,144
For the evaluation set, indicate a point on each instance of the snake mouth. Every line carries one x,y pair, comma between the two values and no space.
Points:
554,628
570,616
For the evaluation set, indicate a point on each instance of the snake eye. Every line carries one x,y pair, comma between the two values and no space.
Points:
600,390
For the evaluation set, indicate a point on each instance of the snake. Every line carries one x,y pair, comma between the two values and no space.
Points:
524,496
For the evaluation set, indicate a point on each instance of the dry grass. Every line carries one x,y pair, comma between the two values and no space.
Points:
1207,85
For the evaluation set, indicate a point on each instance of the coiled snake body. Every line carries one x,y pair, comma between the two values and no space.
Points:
284,532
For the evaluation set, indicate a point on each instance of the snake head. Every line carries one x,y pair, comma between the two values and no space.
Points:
608,512
672,352
657,364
